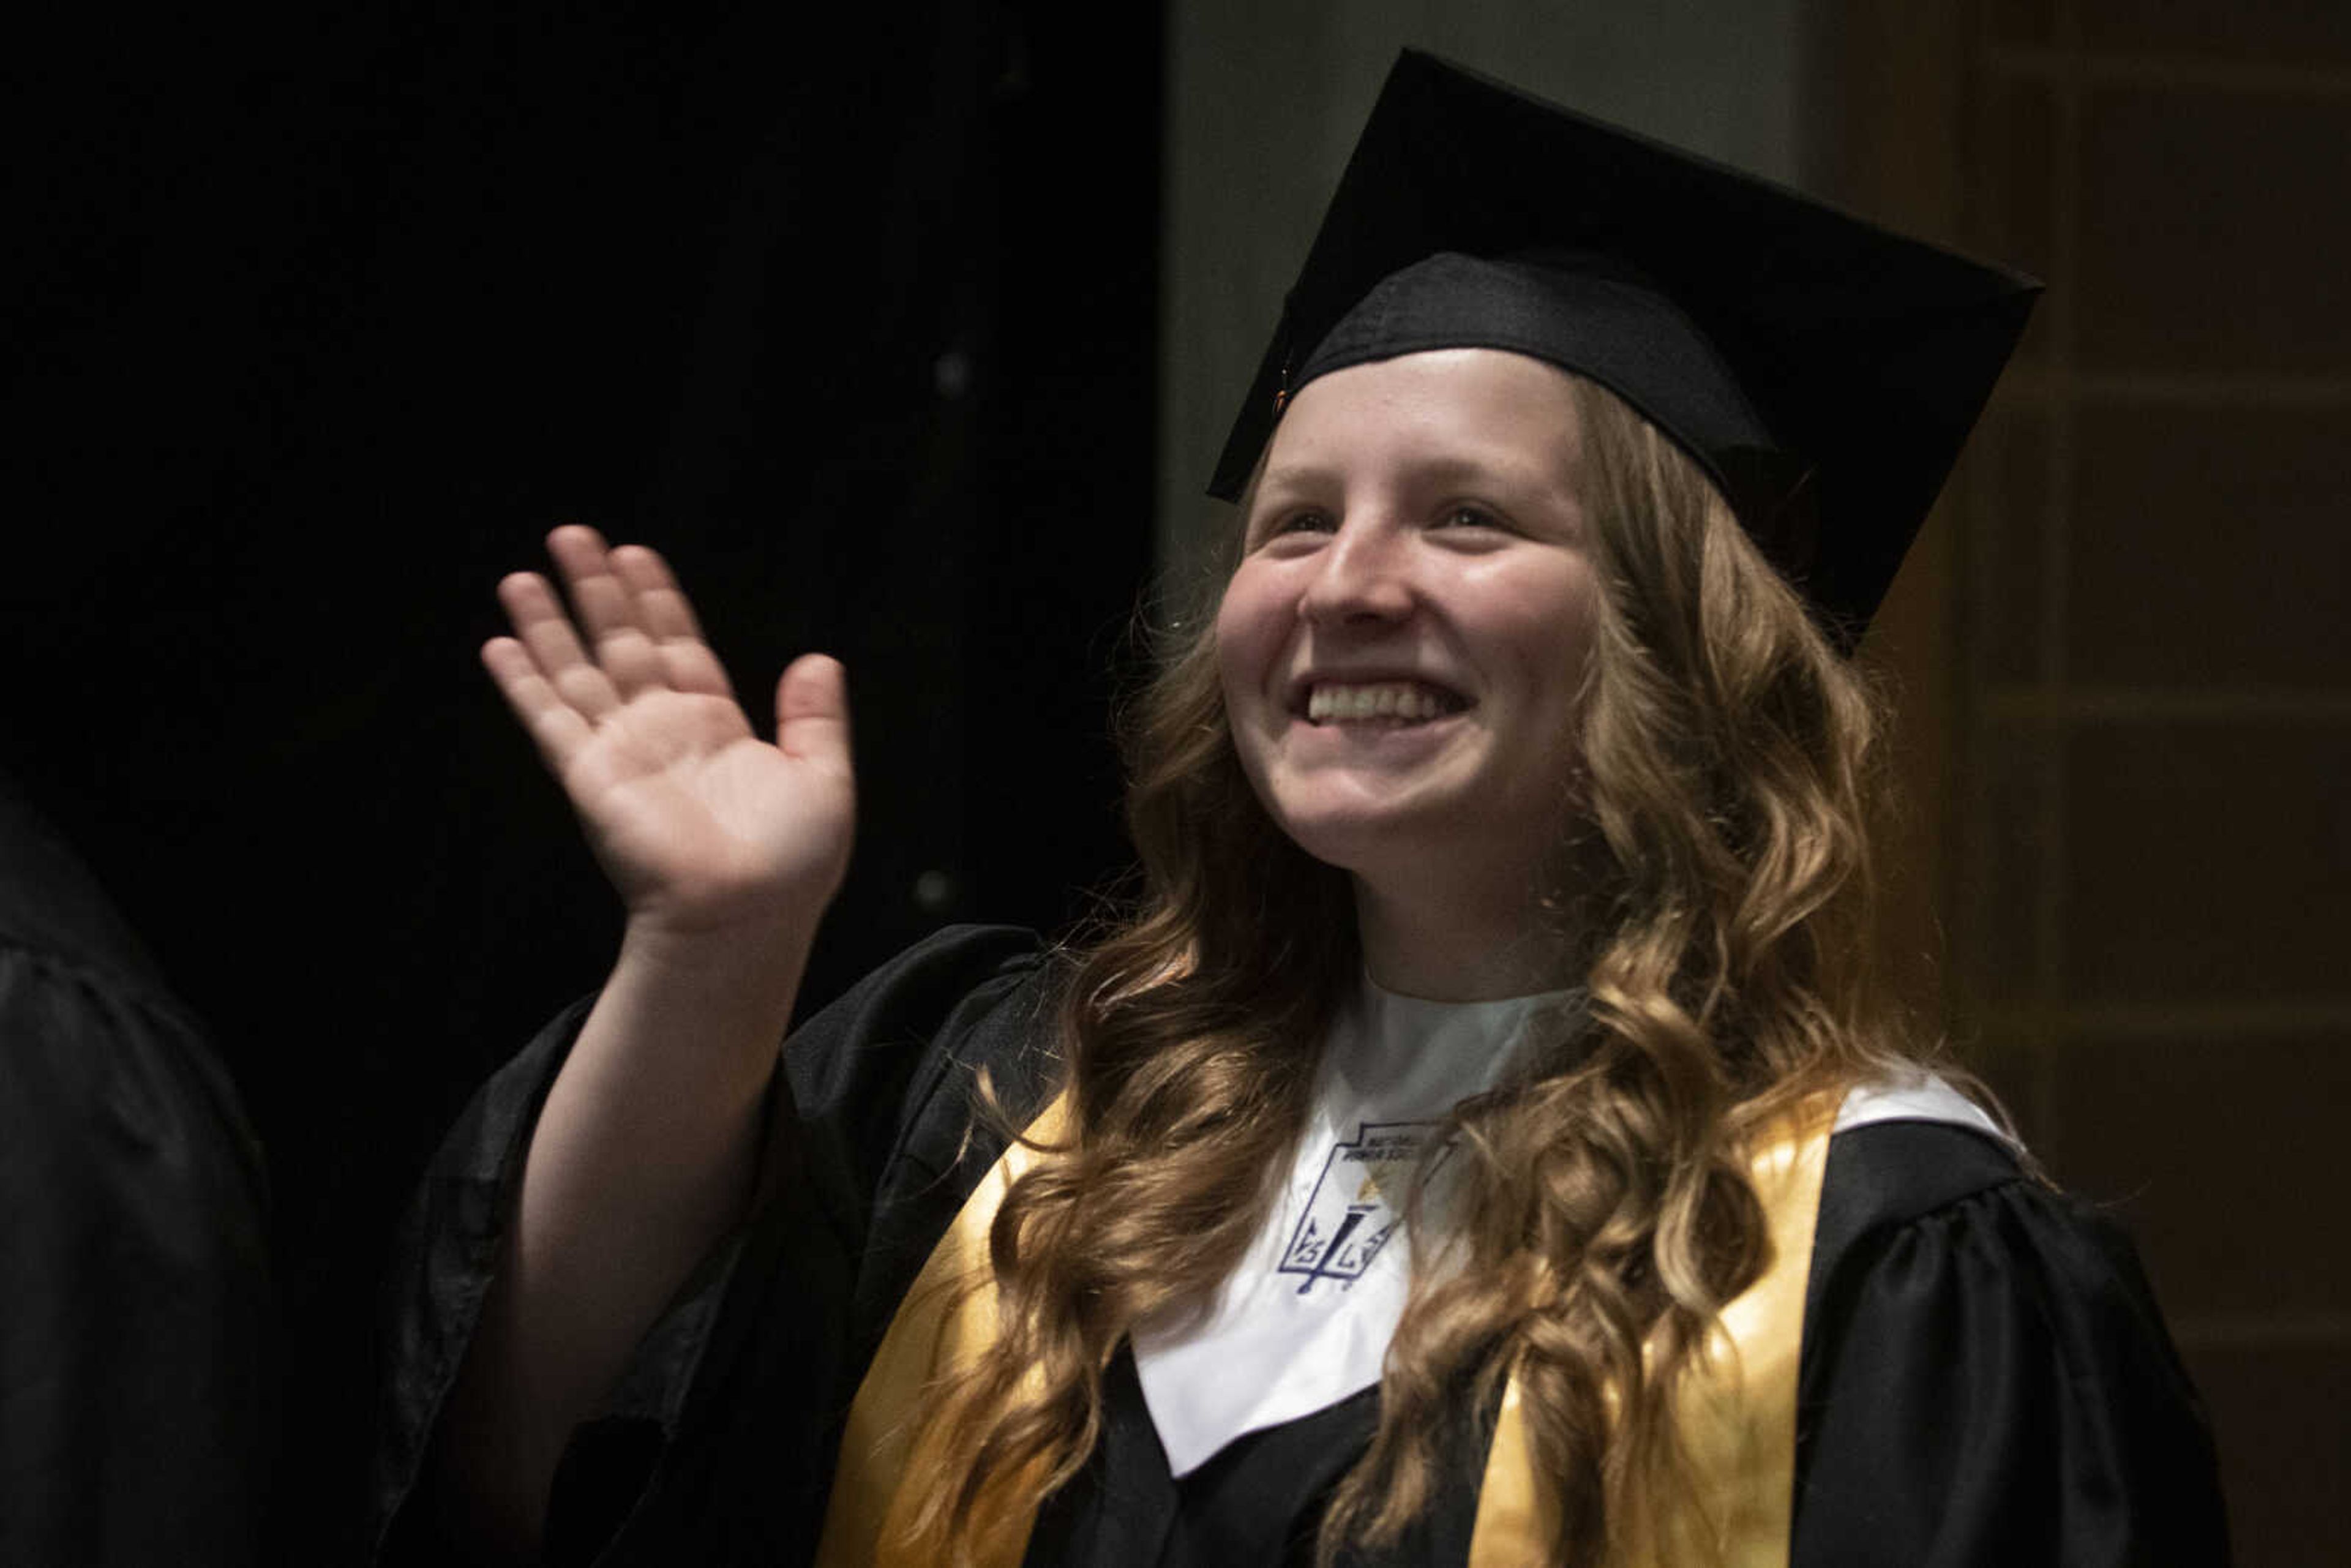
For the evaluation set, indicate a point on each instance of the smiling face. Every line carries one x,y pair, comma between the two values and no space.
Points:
1403,645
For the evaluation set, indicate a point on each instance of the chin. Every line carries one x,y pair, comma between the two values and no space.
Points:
1364,840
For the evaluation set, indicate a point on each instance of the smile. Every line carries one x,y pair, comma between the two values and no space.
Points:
1401,702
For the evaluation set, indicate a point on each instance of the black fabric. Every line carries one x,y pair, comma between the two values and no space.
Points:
718,1446
1259,1500
136,1396
1617,330
1985,1377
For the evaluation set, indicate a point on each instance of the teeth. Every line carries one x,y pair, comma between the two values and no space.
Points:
1405,700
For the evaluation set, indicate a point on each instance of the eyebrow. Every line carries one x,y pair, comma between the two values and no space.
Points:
1294,477
1436,472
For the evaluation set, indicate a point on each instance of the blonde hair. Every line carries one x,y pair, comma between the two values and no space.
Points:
1716,885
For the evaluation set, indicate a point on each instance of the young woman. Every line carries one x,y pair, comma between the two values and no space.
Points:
1483,1141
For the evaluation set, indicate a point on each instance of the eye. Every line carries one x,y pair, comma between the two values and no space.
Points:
1298,520
1471,515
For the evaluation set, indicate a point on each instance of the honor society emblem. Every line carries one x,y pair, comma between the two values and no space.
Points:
1347,1219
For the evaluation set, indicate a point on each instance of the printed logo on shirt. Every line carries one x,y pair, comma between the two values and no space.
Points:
1348,1220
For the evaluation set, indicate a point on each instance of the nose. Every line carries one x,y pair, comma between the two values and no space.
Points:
1361,576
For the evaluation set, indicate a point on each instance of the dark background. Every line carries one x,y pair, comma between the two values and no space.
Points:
316,323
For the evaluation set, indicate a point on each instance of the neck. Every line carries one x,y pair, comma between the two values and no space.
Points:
1452,947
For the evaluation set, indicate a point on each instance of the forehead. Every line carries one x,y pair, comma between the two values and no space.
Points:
1483,409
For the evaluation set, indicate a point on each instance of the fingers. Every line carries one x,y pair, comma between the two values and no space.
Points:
812,711
640,630
640,635
642,624
553,723
666,617
544,632
607,610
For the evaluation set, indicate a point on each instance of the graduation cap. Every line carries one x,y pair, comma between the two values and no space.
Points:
1824,371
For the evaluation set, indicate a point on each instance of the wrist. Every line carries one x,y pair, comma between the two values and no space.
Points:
735,983
729,953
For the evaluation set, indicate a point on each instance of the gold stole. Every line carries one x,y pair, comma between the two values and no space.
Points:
1735,1411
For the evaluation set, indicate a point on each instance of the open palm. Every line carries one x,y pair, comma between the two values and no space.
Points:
700,824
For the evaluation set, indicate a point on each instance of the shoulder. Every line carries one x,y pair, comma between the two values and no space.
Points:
1985,1375
946,975
882,1080
1898,1154
103,1073
963,999
52,907
1936,1198
1918,1167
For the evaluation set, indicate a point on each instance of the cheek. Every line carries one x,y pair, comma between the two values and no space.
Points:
1550,634
1569,655
1567,658
1248,633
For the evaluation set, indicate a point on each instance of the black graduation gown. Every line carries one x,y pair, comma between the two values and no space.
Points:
135,1318
1985,1378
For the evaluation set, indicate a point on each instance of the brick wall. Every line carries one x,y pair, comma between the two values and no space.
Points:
2131,625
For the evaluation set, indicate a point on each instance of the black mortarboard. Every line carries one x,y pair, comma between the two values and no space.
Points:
1825,372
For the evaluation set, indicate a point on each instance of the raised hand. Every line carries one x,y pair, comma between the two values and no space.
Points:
702,826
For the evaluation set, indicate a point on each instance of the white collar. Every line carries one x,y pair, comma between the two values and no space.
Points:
1304,1321
1300,1325
1914,1096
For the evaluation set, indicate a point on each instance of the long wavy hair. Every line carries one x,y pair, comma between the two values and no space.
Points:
1714,887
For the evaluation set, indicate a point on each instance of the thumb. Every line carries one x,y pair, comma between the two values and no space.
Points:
812,711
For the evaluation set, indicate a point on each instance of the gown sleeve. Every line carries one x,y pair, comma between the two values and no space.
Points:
1986,1378
718,1434
137,1384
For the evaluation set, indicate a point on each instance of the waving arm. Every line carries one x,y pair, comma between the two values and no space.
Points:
725,849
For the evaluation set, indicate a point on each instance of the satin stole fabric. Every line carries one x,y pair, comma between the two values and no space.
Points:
1736,1409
